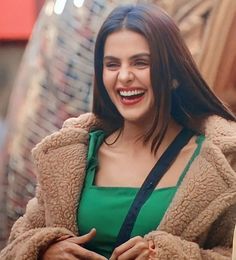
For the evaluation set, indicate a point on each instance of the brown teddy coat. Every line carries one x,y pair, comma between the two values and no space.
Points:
198,224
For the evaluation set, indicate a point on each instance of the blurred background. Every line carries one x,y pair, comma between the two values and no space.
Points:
46,68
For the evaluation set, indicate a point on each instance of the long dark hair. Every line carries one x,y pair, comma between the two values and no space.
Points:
178,87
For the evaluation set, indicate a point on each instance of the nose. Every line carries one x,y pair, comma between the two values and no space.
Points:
125,76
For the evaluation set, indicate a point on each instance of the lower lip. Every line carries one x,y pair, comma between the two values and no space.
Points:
130,102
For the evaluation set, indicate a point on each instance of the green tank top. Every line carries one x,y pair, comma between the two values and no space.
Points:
105,208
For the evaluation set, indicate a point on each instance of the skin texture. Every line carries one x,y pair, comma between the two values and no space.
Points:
71,249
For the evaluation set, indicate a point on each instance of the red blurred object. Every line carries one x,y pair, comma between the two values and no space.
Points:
17,18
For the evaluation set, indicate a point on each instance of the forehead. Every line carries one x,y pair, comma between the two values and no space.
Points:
125,42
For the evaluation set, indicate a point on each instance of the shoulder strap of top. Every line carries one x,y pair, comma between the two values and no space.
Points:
95,140
149,184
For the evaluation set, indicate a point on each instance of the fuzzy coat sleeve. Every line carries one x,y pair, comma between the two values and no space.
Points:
168,246
29,235
217,246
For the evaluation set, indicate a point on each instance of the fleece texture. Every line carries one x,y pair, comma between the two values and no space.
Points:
199,223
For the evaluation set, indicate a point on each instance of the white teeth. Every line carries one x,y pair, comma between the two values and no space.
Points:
130,92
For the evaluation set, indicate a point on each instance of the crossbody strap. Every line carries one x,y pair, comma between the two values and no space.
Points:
151,181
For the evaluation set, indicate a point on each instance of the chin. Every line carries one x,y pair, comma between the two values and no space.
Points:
137,115
136,119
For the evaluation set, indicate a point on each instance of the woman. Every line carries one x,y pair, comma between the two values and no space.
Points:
150,103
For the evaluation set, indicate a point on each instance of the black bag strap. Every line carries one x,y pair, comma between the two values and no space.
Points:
151,181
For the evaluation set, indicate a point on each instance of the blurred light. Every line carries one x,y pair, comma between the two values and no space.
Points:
49,8
59,6
78,3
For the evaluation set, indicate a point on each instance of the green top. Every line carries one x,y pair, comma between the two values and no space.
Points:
105,208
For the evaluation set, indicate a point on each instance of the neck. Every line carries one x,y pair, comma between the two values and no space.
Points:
132,135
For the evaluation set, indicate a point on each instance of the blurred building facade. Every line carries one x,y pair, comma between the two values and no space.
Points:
54,82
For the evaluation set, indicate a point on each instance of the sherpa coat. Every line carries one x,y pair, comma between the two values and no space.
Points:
198,224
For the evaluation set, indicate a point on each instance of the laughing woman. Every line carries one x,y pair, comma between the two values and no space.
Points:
150,174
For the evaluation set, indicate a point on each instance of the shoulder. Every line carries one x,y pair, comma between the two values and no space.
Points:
216,127
220,132
87,121
73,131
219,147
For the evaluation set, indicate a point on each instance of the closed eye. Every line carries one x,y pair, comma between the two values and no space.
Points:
111,65
141,64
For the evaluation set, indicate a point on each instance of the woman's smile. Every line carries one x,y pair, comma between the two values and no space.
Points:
131,96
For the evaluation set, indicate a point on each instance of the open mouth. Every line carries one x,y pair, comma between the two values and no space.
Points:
131,97
131,94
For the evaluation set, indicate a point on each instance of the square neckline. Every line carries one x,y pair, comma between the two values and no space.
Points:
97,137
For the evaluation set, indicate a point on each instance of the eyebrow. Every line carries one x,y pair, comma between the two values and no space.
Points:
139,55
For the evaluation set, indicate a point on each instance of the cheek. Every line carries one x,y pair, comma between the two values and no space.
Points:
145,77
109,79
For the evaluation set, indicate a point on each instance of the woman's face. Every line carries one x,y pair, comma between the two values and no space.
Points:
126,75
